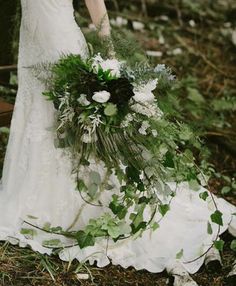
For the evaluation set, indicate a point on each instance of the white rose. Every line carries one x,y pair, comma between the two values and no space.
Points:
113,66
101,96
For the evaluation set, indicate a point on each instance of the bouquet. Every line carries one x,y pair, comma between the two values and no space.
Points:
109,113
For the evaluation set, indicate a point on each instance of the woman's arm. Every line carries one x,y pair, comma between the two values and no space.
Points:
99,16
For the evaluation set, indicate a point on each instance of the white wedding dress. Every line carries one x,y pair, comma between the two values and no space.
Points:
37,178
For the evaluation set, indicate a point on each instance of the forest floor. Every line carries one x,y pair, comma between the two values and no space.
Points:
198,41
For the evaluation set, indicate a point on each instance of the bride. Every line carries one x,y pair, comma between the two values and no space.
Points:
37,180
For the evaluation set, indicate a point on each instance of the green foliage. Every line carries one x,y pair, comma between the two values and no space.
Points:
219,245
180,254
233,245
216,217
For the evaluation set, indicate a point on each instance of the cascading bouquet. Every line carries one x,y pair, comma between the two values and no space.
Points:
108,114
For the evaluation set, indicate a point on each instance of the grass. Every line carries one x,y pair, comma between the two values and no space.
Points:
206,63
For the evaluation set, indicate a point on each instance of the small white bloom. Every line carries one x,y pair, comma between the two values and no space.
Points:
154,133
89,136
111,65
143,129
83,100
160,68
147,109
171,77
143,93
128,118
86,138
144,97
101,96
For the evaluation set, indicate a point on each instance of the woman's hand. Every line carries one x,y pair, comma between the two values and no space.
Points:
98,12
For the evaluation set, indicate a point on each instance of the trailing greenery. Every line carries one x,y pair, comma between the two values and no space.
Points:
108,112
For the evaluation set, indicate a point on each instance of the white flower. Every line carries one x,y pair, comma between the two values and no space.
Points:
147,109
127,120
89,138
83,100
101,96
143,129
143,97
111,65
154,133
143,93
160,68
89,135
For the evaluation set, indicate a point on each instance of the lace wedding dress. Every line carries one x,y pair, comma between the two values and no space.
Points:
37,180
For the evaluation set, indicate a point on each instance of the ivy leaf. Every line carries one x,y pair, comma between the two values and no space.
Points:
219,244
169,162
84,239
155,226
92,190
225,190
216,217
32,217
81,185
185,133
116,207
52,243
180,254
57,229
47,226
194,185
28,232
233,245
163,209
204,195
95,178
113,230
135,229
133,174
195,96
209,228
